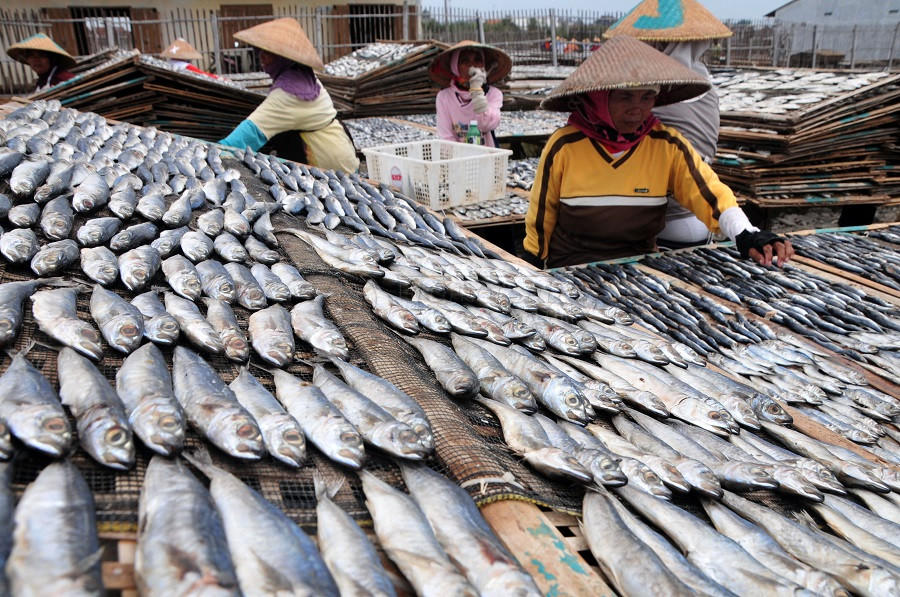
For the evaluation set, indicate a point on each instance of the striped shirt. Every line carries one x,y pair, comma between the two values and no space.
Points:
588,205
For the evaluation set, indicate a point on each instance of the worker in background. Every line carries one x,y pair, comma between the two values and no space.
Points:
46,58
467,72
682,30
179,55
297,109
602,181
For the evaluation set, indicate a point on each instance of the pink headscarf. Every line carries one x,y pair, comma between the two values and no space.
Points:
591,116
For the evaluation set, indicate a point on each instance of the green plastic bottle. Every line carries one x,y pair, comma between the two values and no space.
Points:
473,135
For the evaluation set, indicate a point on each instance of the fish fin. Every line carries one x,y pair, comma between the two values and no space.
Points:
87,562
202,460
326,488
25,349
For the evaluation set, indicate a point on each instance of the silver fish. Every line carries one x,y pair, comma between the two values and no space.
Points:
193,324
260,252
495,380
54,311
131,237
145,387
221,317
12,300
271,335
138,266
122,202
375,424
92,193
176,515
151,206
31,408
235,223
384,306
322,423
28,176
277,559
552,388
282,435
300,288
182,277
404,533
211,223
196,246
451,371
347,551
97,231
55,546
263,230
169,240
229,248
274,289
395,401
24,215
55,257
247,291
178,213
159,326
103,429
120,322
212,408
216,280
310,325
19,245
633,567
468,540
57,219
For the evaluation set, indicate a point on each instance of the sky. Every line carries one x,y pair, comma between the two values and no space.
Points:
722,9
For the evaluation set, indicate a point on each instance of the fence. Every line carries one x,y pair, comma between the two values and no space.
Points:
546,36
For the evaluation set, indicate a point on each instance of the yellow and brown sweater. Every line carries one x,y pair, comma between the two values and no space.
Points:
587,205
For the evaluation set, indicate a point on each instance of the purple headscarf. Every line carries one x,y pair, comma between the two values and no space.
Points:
297,79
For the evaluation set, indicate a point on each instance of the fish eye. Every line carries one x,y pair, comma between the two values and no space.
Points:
293,437
129,330
350,438
168,422
408,436
651,477
572,400
116,436
247,431
715,416
55,425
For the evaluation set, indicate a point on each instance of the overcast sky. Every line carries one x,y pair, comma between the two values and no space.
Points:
722,9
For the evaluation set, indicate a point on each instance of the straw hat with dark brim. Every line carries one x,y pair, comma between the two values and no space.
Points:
283,37
622,63
678,20
41,42
181,50
497,63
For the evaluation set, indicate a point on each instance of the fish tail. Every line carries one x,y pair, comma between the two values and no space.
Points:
325,488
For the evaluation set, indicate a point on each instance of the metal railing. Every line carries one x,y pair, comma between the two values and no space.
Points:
546,36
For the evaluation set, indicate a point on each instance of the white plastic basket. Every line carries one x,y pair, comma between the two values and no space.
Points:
440,174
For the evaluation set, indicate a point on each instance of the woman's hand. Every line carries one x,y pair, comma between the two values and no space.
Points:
763,247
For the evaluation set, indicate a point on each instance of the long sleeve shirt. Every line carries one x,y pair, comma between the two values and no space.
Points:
588,205
455,112
327,143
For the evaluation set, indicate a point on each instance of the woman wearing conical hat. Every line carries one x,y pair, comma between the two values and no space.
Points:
602,181
466,71
179,54
297,107
46,58
682,30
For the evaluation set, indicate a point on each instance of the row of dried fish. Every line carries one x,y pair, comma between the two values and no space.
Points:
853,253
373,131
230,539
368,58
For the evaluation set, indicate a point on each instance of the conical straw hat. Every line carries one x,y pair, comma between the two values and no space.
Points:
669,20
497,63
622,63
40,41
284,37
181,50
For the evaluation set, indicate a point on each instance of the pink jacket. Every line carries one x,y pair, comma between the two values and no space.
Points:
454,112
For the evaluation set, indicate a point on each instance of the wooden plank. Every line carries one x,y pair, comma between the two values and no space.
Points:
542,550
816,430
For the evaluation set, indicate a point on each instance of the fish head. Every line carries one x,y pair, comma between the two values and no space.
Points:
400,439
84,338
563,396
769,410
513,391
437,323
649,402
284,439
554,462
189,285
713,420
461,383
113,443
10,320
565,342
668,473
125,332
700,477
330,342
644,479
747,475
348,448
790,480
237,433
47,429
820,477
163,330
604,468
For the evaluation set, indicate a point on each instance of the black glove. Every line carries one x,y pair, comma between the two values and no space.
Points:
747,240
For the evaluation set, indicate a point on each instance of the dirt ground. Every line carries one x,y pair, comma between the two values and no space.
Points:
805,218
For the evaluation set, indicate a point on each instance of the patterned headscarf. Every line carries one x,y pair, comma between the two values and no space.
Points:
591,116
